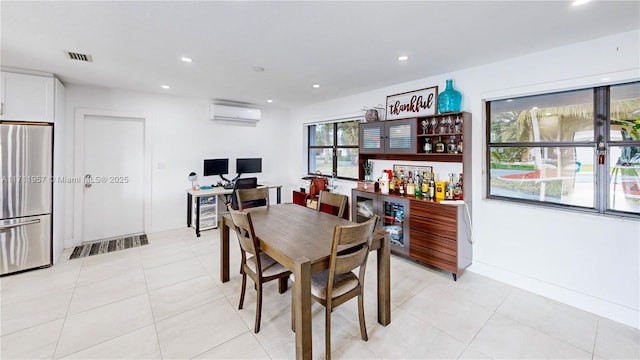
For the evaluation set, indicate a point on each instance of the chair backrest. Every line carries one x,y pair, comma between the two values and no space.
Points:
350,249
242,183
338,201
247,198
245,233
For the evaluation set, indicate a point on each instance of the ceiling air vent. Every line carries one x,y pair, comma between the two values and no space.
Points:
78,56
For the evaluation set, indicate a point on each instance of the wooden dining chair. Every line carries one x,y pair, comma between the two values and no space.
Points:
334,201
247,198
260,267
337,284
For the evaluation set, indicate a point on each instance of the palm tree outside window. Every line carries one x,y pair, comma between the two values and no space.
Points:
576,149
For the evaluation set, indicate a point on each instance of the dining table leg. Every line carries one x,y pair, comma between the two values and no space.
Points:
224,248
384,280
302,307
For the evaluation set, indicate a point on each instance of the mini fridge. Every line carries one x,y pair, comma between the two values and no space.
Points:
392,212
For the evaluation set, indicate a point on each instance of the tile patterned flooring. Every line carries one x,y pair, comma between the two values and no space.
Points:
165,301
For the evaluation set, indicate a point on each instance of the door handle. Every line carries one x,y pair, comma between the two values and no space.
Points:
9,226
2,108
87,181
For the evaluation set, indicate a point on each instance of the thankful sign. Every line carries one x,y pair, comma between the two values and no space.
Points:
412,104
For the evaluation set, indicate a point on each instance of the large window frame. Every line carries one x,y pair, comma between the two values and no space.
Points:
599,141
335,147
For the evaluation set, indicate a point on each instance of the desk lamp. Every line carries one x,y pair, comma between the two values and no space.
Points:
193,177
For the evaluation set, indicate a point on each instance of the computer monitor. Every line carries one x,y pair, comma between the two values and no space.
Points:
216,167
249,166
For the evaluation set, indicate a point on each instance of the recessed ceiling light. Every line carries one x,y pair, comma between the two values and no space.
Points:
269,101
605,79
403,58
534,108
166,87
315,86
186,59
579,2
509,100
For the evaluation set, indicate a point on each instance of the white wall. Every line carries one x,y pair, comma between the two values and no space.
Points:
588,261
181,136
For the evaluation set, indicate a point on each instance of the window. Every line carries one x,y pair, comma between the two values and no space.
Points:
578,149
333,149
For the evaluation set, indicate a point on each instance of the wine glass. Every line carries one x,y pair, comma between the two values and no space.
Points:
425,125
449,124
458,124
434,123
443,125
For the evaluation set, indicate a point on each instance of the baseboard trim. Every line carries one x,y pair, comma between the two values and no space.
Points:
601,307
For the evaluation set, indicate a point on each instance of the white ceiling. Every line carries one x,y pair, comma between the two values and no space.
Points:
346,47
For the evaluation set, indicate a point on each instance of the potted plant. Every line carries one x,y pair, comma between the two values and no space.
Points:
368,168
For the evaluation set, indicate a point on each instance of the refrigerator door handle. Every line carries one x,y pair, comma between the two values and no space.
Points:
9,226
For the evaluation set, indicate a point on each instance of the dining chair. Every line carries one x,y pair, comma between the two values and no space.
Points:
337,284
247,198
334,201
260,267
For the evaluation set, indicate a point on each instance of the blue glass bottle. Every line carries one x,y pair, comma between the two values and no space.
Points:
450,99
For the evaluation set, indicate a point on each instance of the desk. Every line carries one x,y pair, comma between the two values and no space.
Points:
300,239
218,192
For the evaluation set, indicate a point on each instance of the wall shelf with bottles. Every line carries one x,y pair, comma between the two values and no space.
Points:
459,128
443,133
456,125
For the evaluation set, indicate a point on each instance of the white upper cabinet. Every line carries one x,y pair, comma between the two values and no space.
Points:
27,97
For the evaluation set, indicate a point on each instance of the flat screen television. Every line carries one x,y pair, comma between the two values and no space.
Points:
249,165
215,167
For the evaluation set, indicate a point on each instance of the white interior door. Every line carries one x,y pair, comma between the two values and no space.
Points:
113,170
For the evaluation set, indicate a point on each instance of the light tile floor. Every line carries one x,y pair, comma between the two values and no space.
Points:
164,300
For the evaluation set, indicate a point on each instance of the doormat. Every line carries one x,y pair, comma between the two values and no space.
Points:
102,247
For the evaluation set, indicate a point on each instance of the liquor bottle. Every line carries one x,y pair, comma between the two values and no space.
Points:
457,195
450,189
401,187
410,187
384,183
432,189
427,145
425,185
392,185
440,147
417,189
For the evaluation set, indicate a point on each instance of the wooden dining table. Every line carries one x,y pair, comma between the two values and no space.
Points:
300,239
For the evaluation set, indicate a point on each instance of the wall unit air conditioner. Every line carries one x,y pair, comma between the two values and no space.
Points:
234,113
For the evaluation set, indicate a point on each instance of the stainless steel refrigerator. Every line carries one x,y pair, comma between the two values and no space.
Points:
26,198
